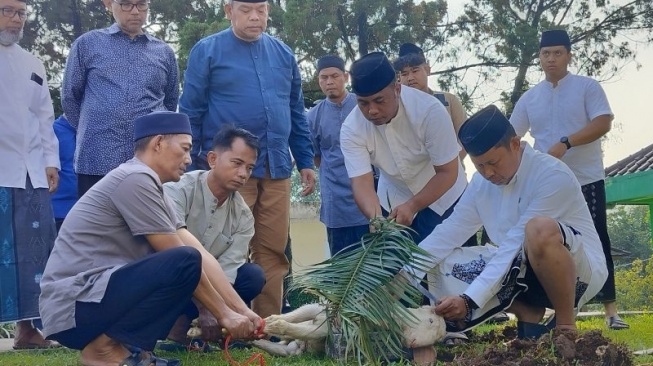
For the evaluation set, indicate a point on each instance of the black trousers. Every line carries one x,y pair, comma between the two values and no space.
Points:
594,194
141,303
85,182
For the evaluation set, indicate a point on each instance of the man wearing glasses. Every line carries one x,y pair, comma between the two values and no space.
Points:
29,162
113,76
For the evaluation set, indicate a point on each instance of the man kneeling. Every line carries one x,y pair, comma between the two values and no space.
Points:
124,268
547,252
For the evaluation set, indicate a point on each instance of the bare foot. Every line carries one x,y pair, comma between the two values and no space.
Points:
103,351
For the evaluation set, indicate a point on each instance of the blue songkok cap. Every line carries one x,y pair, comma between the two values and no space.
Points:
408,48
371,73
556,37
483,130
330,61
161,123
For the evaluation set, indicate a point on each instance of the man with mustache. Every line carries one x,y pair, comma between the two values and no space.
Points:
216,214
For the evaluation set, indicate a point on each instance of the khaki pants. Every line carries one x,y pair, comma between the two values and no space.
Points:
269,200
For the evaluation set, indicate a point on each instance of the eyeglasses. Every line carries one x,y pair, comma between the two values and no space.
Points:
10,13
127,7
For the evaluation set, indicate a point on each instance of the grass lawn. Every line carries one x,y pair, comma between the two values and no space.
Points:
638,337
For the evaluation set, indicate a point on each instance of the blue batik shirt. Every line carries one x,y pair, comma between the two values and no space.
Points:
253,85
338,208
110,80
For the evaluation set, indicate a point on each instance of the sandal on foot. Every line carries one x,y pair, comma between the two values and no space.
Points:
48,344
135,360
526,330
616,323
194,345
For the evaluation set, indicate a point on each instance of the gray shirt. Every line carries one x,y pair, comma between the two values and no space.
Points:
103,232
225,230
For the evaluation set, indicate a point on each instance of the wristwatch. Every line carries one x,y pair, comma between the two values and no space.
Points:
565,140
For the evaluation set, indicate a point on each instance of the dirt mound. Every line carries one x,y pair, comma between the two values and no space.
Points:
557,349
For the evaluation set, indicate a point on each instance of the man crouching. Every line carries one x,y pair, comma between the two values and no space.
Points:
121,271
547,251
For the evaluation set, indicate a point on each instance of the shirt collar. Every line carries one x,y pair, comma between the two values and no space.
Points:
210,201
114,29
527,150
561,81
342,104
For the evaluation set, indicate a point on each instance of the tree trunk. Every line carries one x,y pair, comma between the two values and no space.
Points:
362,34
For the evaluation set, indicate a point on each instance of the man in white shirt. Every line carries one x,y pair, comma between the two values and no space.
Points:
414,71
409,136
548,254
567,115
29,162
209,205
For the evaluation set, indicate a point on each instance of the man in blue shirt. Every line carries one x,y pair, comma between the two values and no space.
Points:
66,196
245,77
344,221
113,76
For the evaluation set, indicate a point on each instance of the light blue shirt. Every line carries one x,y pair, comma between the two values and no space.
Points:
111,80
252,85
338,208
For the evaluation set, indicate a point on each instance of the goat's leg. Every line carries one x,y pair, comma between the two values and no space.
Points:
280,349
304,330
301,314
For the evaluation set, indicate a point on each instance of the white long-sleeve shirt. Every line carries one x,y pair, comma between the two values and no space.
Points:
542,187
27,141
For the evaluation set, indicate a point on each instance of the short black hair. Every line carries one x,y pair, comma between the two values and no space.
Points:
409,60
224,139
141,144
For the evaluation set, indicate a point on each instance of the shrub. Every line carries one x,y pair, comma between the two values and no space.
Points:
635,285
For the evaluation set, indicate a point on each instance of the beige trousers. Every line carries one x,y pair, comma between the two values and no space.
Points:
269,200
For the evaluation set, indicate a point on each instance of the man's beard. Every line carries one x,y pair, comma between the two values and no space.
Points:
7,37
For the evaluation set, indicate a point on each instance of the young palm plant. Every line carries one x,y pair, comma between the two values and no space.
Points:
363,299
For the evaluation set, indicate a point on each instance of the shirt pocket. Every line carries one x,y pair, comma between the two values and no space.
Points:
220,245
282,81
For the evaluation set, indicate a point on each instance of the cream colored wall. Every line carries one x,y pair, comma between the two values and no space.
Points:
309,245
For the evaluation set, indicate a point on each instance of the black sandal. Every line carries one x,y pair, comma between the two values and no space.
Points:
135,360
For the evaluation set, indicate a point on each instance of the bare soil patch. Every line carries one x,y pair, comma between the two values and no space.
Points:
558,349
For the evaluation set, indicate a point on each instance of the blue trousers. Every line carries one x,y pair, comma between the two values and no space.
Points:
141,303
343,238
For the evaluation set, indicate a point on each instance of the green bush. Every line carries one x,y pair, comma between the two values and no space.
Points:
635,285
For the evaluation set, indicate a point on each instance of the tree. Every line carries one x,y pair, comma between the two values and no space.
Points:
629,230
498,37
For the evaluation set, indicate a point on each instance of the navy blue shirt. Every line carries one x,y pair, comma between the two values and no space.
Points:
253,85
110,80
338,208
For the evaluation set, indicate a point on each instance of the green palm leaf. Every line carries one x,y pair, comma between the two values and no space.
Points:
363,301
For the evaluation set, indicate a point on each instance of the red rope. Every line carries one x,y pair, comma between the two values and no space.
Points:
250,361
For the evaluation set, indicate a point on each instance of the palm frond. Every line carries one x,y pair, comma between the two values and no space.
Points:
363,301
